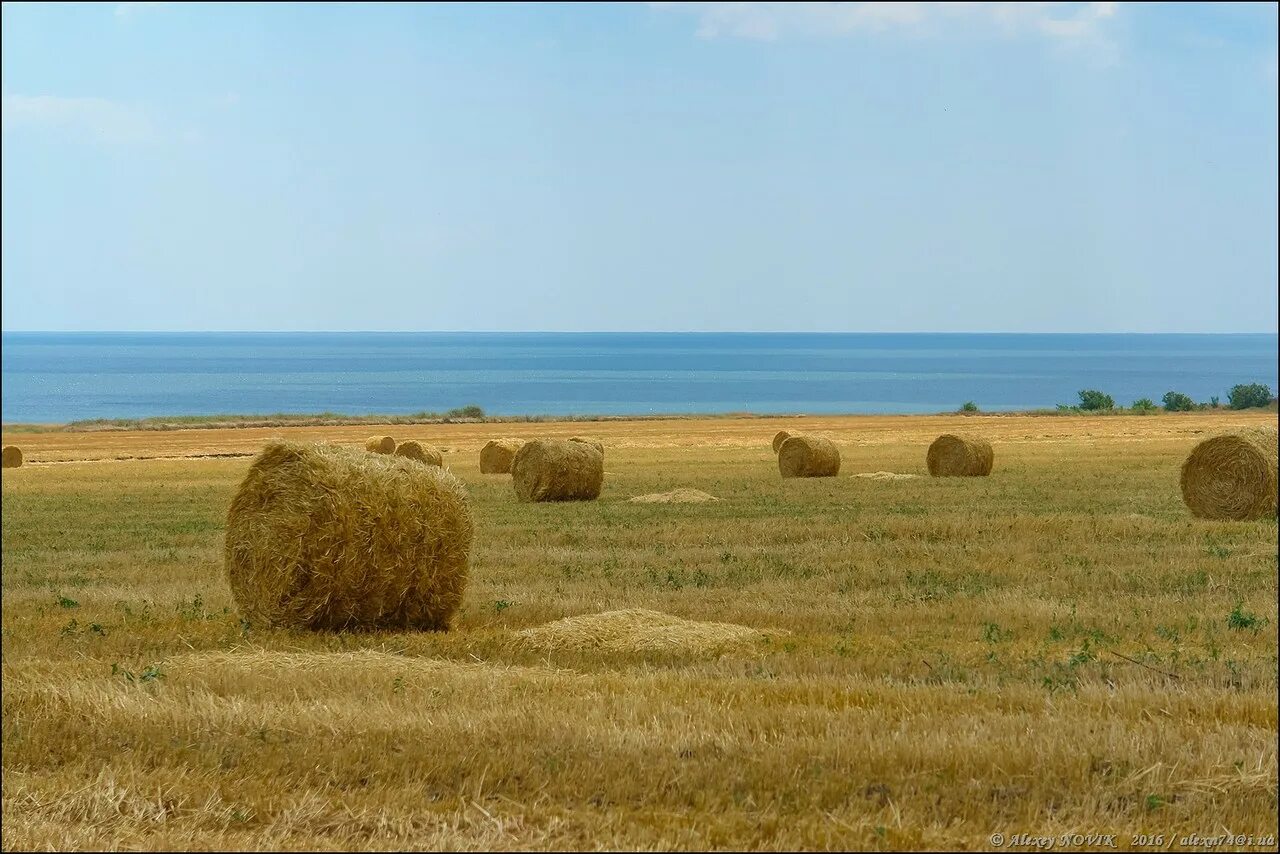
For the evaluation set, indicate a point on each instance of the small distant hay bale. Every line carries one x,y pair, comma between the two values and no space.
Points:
953,455
886,475
11,457
781,437
497,454
637,630
557,470
808,456
1232,476
428,454
675,496
325,537
380,445
595,443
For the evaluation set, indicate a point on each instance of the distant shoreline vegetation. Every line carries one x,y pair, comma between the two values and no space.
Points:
1092,402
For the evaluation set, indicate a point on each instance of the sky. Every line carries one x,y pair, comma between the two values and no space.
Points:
877,167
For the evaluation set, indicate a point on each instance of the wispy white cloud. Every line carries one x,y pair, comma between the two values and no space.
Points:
99,119
771,21
125,9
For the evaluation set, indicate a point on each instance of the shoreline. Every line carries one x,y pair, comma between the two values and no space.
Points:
164,423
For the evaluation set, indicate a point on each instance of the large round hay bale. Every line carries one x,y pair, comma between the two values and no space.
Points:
953,455
11,457
808,456
595,443
781,437
325,537
1232,476
428,454
380,445
497,454
557,470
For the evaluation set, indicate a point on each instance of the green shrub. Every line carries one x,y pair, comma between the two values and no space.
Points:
471,411
969,406
1092,400
1144,405
1248,396
1176,401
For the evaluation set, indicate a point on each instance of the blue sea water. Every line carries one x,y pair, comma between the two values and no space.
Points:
61,377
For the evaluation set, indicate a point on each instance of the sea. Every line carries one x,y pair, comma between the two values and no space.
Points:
60,377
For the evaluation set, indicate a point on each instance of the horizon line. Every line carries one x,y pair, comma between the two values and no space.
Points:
599,332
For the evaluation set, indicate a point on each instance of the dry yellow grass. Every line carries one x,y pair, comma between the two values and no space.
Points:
1057,648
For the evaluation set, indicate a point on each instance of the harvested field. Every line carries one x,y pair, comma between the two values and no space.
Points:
1058,647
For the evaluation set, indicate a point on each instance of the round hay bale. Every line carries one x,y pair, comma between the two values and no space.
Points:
380,445
595,443
557,470
11,457
808,456
1232,476
428,454
325,537
953,455
782,436
497,454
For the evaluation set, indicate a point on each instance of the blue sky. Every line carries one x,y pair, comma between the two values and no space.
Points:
813,167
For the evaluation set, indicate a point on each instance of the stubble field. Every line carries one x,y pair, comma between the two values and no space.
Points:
1056,649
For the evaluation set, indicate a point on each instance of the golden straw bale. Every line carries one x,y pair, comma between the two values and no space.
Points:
637,630
1232,476
953,455
808,456
380,445
11,457
781,437
428,454
557,470
497,454
325,537
595,443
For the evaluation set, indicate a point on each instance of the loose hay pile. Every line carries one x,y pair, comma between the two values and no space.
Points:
557,470
1232,476
953,455
428,454
808,456
380,445
324,537
886,475
497,454
636,630
675,496
781,437
11,457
